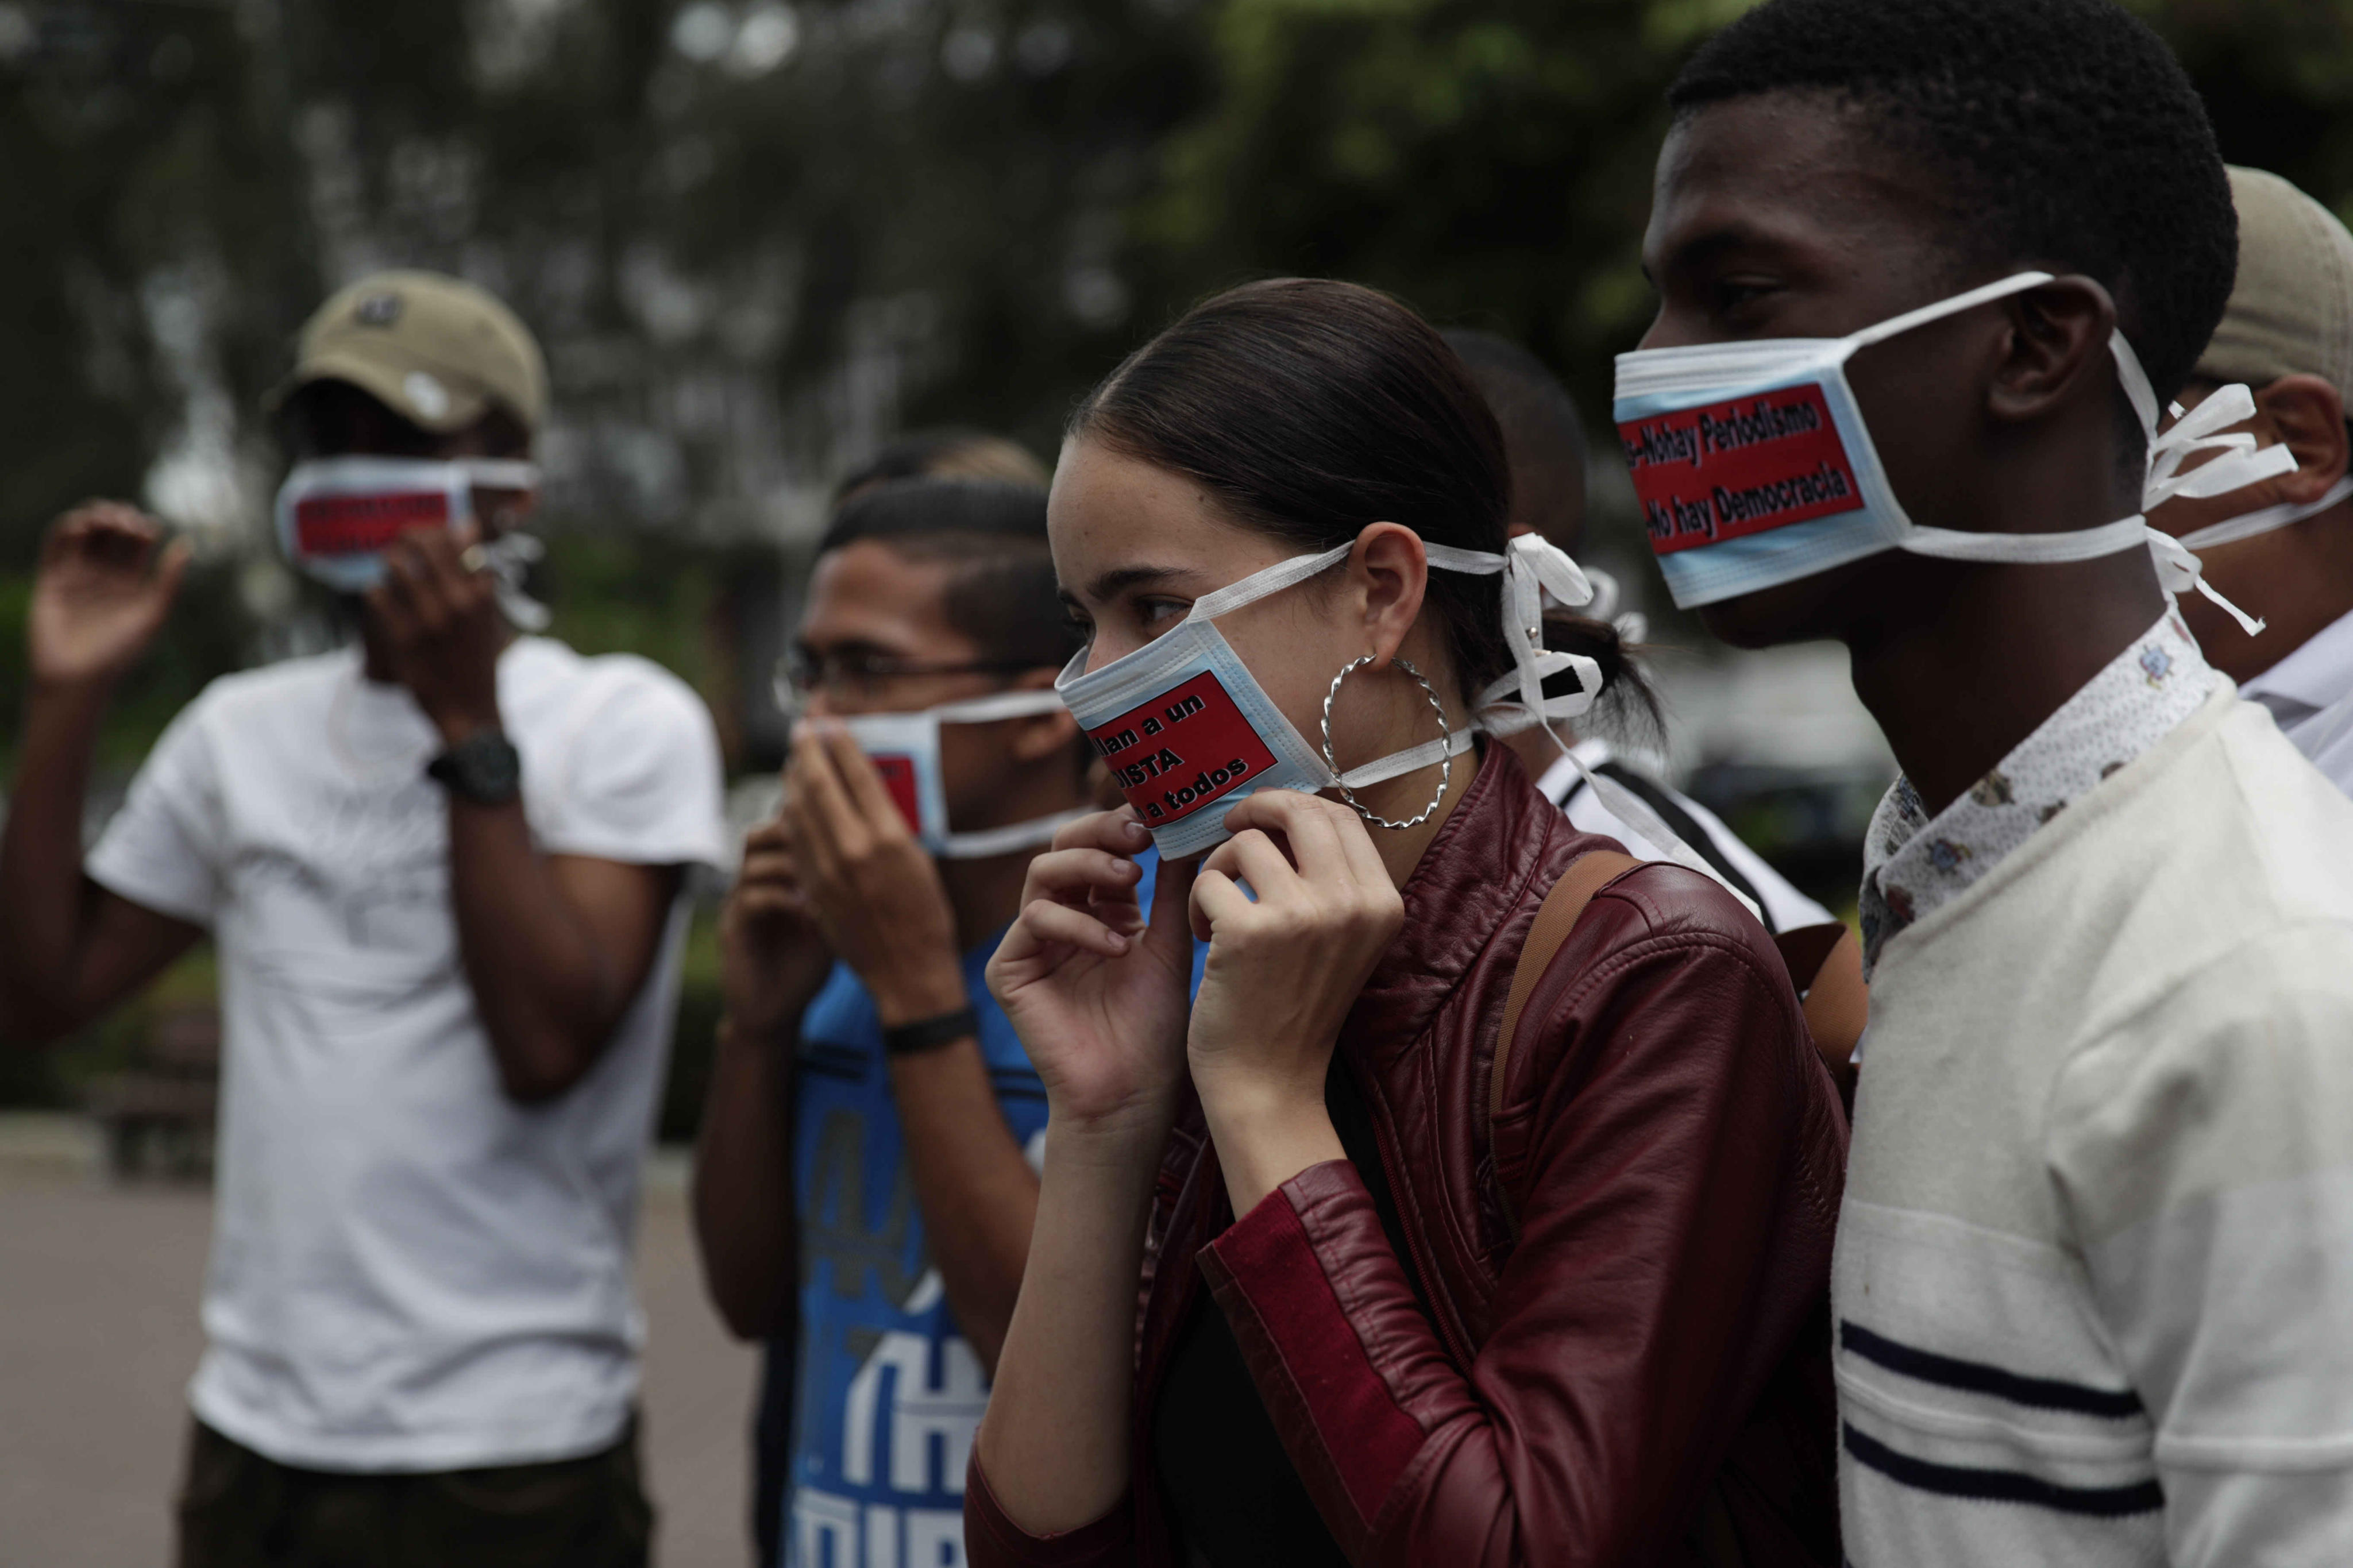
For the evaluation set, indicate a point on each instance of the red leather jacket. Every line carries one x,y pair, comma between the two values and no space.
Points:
1628,1268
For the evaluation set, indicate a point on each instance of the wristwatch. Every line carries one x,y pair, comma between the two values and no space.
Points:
483,768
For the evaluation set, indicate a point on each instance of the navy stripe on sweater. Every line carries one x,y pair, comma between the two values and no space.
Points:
1976,1377
2002,1486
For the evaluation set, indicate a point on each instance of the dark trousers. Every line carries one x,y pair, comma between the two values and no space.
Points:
238,1510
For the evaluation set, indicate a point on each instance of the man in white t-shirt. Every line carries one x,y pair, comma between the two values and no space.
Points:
1545,442
2283,548
442,871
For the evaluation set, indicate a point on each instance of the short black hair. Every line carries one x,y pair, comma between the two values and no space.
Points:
1001,594
948,452
1543,436
2064,131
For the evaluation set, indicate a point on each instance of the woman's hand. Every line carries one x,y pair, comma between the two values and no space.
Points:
874,890
1097,994
1282,972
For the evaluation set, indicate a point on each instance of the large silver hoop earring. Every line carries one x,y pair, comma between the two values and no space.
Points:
1445,761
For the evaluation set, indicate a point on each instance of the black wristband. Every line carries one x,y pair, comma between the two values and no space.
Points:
930,1034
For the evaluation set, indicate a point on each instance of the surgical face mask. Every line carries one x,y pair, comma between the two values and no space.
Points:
1754,466
1188,733
2248,524
905,749
336,515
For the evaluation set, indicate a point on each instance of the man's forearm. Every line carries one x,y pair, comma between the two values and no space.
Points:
41,889
546,990
744,1223
977,1194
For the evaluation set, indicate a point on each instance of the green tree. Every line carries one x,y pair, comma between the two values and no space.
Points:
1491,160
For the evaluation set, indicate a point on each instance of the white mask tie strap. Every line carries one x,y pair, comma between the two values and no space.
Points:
2031,549
1428,754
2238,465
986,843
1894,326
500,473
2249,524
2179,571
1274,579
509,558
1532,566
1021,704
2206,428
2137,391
1607,595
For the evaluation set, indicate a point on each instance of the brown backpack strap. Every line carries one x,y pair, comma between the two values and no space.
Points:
1587,875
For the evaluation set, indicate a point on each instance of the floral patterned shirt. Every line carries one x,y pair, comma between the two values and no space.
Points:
1911,864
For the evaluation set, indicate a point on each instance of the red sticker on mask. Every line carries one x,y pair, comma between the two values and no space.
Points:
1184,749
1753,464
899,779
343,525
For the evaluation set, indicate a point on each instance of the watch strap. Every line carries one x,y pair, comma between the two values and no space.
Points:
930,1034
483,768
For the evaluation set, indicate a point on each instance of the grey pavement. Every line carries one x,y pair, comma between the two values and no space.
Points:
99,1335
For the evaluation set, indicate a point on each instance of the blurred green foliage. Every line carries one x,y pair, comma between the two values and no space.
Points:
53,1078
756,235
757,238
1491,161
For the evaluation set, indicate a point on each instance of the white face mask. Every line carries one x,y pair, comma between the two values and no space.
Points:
336,515
1754,466
905,749
2248,524
1184,726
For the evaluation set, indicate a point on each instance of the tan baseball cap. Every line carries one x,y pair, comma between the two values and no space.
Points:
2290,311
436,350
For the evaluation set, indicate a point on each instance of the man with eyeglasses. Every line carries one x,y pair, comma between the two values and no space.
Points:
865,1184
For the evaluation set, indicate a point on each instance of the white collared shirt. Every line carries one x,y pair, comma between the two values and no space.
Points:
1911,864
2310,695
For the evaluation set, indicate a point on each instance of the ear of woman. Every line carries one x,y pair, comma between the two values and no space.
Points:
1390,573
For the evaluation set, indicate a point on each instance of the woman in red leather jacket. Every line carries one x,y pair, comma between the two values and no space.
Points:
1553,1301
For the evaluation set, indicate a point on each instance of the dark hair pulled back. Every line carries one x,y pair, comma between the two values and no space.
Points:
1311,409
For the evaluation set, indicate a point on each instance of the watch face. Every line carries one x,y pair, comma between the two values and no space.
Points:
484,768
497,769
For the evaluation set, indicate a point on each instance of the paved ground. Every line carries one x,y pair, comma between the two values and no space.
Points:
99,1333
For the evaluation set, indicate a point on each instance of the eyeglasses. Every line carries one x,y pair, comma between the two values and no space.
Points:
854,675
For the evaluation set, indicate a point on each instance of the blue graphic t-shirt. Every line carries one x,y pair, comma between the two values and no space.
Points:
887,1394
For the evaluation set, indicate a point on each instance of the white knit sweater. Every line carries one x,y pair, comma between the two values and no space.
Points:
2095,1271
